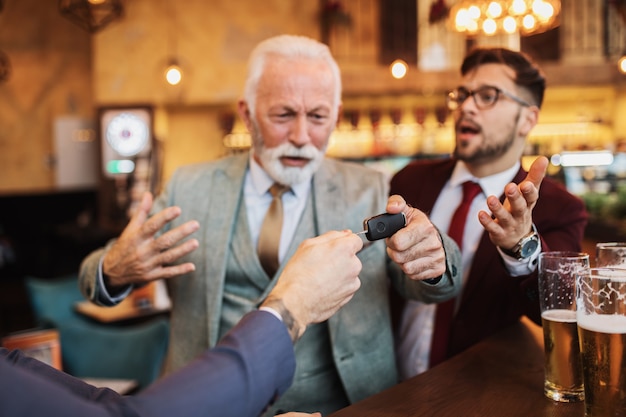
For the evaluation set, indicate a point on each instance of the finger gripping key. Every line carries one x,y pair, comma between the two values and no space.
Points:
383,225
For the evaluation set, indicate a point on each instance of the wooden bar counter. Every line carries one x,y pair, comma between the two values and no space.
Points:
499,377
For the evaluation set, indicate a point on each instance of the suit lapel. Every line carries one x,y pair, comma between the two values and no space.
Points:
431,187
328,203
225,193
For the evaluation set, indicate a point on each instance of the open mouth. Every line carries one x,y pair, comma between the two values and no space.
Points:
294,160
466,129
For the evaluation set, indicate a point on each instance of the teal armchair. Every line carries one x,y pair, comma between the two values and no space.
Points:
94,350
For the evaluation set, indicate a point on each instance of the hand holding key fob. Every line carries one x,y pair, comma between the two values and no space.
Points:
383,225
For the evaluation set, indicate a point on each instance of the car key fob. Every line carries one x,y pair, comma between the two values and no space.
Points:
383,225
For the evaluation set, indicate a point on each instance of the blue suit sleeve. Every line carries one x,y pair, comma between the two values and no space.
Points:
251,366
30,388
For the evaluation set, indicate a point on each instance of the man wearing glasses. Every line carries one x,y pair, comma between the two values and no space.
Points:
509,218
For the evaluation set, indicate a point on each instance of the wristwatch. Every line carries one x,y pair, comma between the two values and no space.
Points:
525,247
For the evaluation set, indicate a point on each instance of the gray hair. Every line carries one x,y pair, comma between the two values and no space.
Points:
290,47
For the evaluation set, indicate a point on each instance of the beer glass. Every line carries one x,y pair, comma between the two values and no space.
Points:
601,316
557,294
611,254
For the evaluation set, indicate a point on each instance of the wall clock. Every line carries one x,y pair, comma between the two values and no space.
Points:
128,161
126,135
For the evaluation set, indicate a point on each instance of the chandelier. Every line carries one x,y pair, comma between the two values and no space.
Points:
91,15
491,17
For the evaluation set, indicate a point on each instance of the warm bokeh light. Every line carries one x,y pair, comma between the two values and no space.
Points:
398,68
528,22
474,12
494,10
543,10
489,26
462,20
173,74
518,7
621,64
491,17
509,25
472,27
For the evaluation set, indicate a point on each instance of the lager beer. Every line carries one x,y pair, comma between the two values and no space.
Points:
557,298
603,348
564,377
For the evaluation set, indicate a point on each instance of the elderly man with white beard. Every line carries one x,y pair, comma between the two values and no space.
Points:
205,227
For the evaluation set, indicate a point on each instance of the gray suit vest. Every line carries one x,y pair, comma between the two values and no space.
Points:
316,385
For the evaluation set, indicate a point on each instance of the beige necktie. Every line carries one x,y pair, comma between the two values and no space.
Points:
269,238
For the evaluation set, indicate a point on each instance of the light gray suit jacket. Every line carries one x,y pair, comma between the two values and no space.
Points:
344,194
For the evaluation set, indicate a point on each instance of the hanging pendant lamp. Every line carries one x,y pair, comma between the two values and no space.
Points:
91,15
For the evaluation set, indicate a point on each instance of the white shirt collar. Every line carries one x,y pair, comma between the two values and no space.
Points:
491,185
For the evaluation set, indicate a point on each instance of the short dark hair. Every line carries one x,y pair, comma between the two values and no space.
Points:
527,74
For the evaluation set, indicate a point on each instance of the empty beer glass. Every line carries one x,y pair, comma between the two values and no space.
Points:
557,294
611,254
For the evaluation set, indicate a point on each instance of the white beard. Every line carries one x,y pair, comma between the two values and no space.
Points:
270,159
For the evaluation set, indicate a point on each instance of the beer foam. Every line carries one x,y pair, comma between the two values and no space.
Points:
561,315
603,323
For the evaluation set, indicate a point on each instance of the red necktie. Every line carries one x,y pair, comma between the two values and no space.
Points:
445,310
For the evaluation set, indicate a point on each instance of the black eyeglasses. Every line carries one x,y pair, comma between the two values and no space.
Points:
484,97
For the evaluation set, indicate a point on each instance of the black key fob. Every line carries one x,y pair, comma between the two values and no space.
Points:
383,225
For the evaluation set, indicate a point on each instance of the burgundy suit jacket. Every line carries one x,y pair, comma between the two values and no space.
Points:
492,299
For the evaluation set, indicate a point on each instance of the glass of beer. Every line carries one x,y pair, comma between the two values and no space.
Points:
611,254
557,294
601,316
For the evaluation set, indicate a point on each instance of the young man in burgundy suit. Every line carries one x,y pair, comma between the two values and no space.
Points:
514,216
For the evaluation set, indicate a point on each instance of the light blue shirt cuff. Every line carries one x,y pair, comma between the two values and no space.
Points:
102,295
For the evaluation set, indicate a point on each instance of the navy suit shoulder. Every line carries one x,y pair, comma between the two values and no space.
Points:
251,366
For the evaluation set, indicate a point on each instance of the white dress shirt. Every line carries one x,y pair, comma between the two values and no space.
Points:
417,322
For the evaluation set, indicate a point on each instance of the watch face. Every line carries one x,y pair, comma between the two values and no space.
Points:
529,247
127,134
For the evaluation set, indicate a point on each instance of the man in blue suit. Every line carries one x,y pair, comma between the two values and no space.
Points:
291,105
253,363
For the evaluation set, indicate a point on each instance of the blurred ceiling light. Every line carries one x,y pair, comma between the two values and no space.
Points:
398,68
583,158
173,73
490,17
621,64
